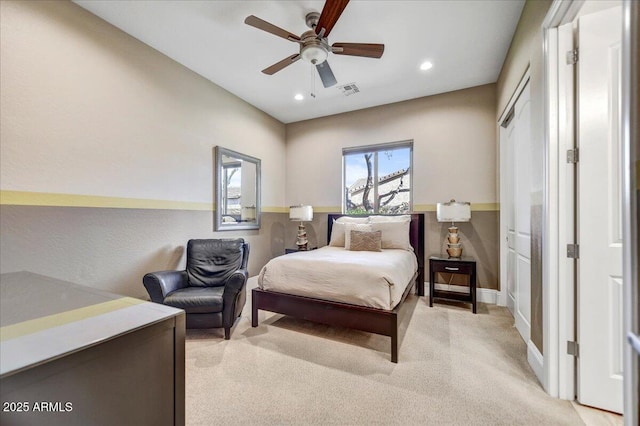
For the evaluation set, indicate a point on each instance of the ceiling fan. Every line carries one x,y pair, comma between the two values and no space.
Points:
314,46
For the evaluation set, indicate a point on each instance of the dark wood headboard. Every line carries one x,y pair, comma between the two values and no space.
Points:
416,236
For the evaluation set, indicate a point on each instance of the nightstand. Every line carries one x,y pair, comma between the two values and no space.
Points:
295,250
452,265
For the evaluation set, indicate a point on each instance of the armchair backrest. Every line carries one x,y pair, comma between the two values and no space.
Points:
211,262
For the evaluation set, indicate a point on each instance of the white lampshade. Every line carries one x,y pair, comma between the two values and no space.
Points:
301,213
454,211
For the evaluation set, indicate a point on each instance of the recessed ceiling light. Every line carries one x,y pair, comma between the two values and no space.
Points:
426,66
298,97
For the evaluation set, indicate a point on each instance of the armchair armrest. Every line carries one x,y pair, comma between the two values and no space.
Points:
234,285
159,284
233,298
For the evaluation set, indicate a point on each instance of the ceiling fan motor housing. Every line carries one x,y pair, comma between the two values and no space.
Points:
313,49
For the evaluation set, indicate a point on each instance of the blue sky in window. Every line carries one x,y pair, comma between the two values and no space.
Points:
388,162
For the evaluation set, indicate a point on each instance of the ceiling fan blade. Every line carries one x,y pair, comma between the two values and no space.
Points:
280,65
330,13
263,25
370,50
326,75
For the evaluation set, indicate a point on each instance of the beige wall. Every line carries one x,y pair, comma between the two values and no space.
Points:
454,137
93,118
526,40
526,51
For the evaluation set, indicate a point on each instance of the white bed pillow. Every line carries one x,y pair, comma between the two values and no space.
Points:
338,229
395,235
337,234
352,219
348,227
380,219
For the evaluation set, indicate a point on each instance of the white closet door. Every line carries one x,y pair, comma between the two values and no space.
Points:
518,183
600,332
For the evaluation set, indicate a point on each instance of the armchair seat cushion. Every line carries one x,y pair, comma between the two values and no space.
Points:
197,300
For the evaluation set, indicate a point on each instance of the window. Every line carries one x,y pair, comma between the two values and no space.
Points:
377,178
232,178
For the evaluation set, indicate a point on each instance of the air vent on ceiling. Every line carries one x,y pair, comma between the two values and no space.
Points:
349,89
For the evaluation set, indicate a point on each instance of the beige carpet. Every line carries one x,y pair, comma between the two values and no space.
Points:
454,368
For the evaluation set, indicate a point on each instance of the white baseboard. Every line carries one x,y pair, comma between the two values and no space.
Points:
536,361
501,298
483,295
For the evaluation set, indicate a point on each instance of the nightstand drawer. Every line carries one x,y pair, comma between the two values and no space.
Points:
458,268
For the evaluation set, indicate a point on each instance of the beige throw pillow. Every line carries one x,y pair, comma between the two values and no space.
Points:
348,227
366,241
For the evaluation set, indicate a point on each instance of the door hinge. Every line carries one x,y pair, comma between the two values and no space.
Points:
572,57
572,156
573,349
573,251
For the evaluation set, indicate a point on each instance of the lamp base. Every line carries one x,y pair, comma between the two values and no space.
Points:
454,253
301,239
454,247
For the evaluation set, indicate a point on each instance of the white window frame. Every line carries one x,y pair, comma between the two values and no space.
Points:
377,148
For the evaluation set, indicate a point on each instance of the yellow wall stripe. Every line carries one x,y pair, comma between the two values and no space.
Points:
327,209
276,209
475,207
485,207
39,324
25,198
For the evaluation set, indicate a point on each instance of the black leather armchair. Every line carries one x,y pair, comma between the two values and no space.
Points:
212,289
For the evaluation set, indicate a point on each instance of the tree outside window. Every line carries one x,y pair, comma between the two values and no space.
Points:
231,199
377,178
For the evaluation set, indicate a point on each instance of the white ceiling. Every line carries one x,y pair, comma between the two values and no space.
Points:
466,41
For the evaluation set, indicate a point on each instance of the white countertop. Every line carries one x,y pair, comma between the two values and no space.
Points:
42,319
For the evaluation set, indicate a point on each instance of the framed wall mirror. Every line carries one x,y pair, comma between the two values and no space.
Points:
237,190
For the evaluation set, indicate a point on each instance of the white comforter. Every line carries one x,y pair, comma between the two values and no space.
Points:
365,278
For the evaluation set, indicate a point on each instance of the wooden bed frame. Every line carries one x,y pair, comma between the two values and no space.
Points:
372,320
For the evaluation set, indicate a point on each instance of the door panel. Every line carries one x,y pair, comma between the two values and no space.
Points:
523,317
511,218
511,275
522,197
599,211
518,204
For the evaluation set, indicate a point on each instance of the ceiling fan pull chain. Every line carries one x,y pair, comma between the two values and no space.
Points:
313,82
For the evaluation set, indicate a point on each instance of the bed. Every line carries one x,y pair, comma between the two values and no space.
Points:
373,317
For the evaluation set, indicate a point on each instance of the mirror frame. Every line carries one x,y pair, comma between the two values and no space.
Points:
235,226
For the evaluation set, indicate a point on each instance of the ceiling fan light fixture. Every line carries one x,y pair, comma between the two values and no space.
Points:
314,54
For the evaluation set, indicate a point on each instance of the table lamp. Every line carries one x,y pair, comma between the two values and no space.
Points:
454,211
301,214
